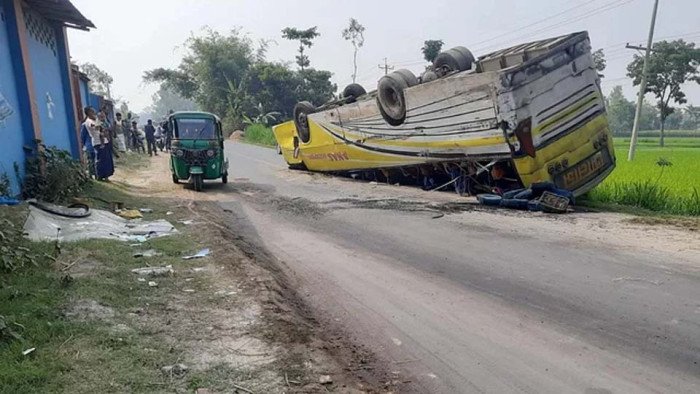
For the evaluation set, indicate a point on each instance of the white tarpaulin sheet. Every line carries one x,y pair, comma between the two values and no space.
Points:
41,225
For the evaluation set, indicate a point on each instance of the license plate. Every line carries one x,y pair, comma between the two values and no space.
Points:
553,203
583,171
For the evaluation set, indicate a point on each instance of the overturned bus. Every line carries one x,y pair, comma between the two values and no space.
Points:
525,114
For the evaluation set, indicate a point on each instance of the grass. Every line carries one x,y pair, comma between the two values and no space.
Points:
644,184
84,355
260,134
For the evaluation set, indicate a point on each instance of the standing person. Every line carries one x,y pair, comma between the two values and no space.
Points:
151,138
119,131
88,149
136,138
168,131
160,141
104,165
108,129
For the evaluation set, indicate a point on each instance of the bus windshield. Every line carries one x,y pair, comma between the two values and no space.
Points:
195,129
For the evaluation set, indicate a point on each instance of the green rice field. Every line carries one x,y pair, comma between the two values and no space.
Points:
673,188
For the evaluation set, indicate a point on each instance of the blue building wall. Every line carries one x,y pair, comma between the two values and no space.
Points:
95,101
42,40
11,132
84,95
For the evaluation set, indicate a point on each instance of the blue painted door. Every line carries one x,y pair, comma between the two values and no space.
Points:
11,134
48,81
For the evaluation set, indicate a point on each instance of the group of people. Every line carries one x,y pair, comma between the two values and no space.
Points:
103,141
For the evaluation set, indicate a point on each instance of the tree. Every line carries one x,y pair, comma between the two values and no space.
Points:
599,62
100,81
431,49
212,61
671,64
305,38
227,75
165,99
620,111
355,34
692,121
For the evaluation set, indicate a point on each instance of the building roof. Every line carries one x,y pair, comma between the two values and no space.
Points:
61,11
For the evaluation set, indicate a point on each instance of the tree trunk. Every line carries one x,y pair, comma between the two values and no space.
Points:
354,64
661,139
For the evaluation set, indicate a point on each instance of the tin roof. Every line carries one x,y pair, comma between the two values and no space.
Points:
61,11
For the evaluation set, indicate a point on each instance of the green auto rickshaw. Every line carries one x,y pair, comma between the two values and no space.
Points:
197,149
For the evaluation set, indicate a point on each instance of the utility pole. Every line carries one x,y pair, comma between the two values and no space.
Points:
386,67
643,85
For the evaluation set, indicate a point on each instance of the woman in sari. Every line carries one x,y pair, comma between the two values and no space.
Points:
104,164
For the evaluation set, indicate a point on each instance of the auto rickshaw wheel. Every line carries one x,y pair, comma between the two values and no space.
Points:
176,180
224,178
197,182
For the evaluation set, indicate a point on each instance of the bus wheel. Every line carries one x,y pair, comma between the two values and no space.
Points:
301,119
390,98
352,92
455,59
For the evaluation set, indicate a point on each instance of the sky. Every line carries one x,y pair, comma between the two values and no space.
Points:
134,36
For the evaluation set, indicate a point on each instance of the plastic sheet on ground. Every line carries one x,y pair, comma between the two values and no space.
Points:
41,225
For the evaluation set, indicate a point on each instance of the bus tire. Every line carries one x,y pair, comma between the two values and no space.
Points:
391,99
352,92
453,60
407,76
301,120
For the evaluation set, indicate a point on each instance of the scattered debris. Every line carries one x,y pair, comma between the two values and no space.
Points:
28,351
325,379
74,211
141,279
6,331
41,226
148,253
130,214
154,271
188,290
242,388
197,269
186,222
225,293
145,210
541,196
168,213
175,370
152,284
200,254
438,216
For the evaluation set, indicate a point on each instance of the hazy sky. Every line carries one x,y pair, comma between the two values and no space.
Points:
134,36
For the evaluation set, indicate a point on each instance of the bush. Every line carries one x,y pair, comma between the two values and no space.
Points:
5,190
647,195
53,175
260,134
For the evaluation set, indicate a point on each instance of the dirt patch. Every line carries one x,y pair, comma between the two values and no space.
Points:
89,310
286,326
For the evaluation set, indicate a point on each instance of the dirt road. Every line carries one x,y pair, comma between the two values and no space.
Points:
453,298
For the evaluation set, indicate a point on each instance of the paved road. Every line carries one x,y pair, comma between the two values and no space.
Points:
456,299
